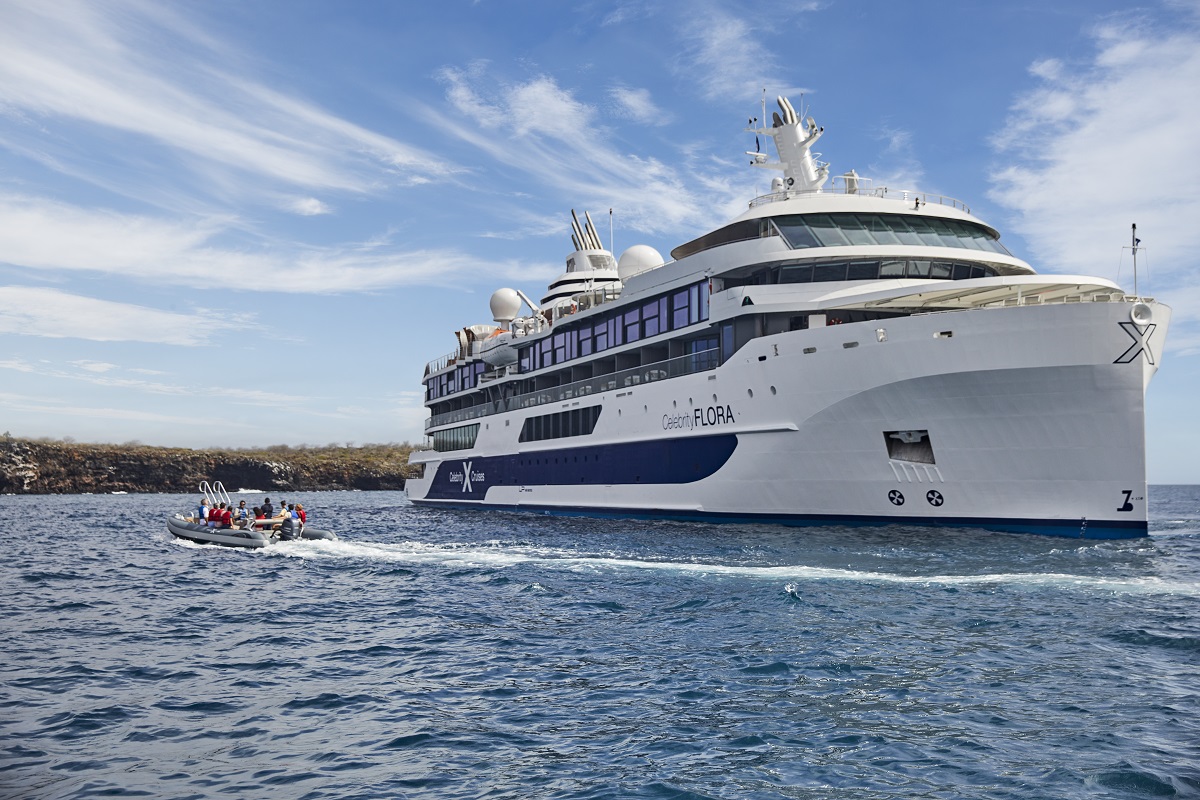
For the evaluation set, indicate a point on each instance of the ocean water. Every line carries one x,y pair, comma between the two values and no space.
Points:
439,654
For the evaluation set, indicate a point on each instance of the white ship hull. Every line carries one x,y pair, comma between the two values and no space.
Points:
1032,416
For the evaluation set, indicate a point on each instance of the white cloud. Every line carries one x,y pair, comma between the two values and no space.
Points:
148,72
637,105
898,166
1097,147
235,394
47,235
542,129
38,311
93,366
726,54
309,207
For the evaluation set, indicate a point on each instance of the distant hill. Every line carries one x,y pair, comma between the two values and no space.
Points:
64,467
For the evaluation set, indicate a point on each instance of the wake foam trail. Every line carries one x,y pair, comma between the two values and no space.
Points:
498,555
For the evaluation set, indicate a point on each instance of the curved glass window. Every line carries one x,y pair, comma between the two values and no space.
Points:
737,232
868,270
842,230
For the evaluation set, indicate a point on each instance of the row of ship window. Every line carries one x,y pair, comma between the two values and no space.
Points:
559,425
864,270
661,314
802,231
668,312
460,438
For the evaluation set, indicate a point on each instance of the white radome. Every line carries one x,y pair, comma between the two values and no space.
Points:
638,258
505,305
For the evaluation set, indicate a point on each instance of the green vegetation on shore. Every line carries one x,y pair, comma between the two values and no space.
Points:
46,466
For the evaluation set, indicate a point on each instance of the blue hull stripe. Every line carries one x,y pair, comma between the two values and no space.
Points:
658,461
1073,529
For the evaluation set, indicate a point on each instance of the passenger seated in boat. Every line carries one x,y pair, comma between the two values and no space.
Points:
268,509
241,515
282,515
301,515
201,515
222,517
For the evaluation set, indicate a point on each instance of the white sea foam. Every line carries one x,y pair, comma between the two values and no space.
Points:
499,555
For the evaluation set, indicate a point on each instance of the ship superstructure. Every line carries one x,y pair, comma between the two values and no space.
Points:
838,353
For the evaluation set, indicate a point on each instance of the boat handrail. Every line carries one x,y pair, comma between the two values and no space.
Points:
214,493
900,195
659,370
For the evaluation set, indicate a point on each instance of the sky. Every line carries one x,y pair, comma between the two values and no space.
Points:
242,224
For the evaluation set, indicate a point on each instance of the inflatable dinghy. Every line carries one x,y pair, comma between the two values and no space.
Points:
289,529
237,537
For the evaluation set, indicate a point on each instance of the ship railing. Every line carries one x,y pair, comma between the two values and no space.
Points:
689,364
439,364
909,196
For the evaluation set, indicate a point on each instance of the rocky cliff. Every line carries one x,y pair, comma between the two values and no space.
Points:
47,467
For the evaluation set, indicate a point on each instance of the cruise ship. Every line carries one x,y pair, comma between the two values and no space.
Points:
839,354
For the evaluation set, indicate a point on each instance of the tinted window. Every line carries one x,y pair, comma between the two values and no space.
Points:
799,274
918,268
903,232
925,232
854,229
880,230
827,231
796,232
737,232
829,272
863,271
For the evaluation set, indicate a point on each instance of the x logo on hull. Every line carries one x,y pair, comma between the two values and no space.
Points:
1141,342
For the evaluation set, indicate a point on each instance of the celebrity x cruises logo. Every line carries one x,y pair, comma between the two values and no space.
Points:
1141,342
467,477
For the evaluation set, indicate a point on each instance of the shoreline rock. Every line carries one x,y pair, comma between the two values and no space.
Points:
48,467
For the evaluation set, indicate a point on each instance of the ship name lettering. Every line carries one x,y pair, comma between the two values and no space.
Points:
672,422
713,415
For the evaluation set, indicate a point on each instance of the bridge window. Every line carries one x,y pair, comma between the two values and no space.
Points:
802,231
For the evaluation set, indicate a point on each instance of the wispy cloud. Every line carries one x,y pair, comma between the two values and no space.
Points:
84,374
308,207
41,405
47,235
1100,145
40,311
544,130
637,105
725,52
897,166
147,72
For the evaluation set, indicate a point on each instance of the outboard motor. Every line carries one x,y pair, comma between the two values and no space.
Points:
287,530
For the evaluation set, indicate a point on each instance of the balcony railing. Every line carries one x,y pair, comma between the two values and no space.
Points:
900,195
703,361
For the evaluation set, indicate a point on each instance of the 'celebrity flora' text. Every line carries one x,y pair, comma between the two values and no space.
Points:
699,418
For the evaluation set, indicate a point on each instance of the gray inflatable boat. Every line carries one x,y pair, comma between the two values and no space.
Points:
255,536
179,526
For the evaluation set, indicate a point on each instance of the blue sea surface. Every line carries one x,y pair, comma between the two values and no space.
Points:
450,654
